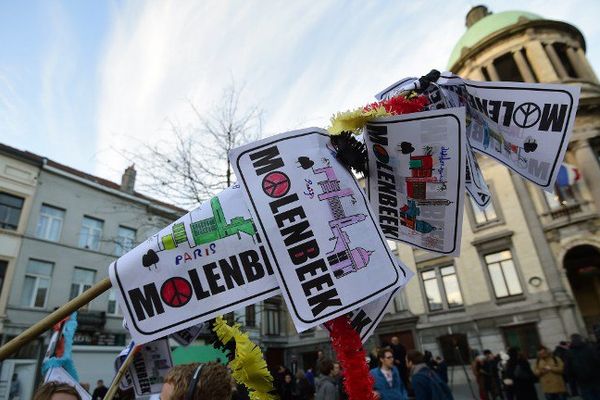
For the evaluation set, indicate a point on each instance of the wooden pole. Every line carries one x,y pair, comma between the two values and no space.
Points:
47,322
114,385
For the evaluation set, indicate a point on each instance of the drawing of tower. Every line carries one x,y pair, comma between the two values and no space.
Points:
209,229
342,259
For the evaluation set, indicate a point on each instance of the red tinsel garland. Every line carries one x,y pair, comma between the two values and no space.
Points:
400,105
346,342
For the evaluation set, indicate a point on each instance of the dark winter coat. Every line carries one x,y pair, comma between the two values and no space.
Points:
523,387
428,385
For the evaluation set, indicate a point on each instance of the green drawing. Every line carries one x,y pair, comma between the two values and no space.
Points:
210,229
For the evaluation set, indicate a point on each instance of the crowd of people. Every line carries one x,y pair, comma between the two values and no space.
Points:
572,369
397,375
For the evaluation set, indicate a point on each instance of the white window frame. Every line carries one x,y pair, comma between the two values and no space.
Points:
81,286
90,233
112,297
36,285
49,219
120,247
441,287
501,266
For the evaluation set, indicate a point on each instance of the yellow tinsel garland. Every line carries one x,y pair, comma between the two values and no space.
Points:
248,367
353,121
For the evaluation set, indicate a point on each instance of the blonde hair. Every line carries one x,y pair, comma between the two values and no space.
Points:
48,389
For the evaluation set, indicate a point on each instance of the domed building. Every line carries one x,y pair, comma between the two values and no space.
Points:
529,269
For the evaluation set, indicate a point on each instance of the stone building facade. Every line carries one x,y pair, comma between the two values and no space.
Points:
70,230
529,269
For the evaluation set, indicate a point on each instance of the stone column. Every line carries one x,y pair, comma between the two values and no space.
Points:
492,72
560,69
540,62
538,236
587,163
577,66
523,67
584,61
476,74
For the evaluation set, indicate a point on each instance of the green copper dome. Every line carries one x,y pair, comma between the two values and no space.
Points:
485,27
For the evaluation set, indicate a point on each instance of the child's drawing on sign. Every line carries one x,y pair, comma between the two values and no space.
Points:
342,258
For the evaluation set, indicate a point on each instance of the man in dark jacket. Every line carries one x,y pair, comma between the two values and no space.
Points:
425,382
400,358
100,391
583,367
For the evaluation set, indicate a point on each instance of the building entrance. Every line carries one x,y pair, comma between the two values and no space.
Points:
582,264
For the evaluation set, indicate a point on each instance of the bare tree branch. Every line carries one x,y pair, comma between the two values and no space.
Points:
195,165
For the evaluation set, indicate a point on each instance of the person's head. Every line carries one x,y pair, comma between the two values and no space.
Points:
414,357
386,358
395,340
513,353
100,383
326,367
488,354
212,382
336,369
563,343
281,369
288,378
576,340
543,352
320,354
300,374
56,391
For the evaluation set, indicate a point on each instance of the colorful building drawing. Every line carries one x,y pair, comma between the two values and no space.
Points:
342,259
209,229
421,166
408,217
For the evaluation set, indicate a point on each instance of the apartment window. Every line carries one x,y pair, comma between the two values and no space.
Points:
503,274
251,315
10,211
112,307
507,69
561,196
272,315
525,337
485,216
441,288
400,303
91,233
3,268
125,240
37,284
50,223
83,279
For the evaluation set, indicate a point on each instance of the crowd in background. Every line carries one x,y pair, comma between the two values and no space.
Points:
572,369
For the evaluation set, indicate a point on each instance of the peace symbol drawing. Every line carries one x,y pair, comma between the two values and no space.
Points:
176,292
527,115
276,184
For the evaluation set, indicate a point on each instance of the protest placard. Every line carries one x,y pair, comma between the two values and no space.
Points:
58,374
209,262
330,255
416,177
150,367
186,336
449,92
525,126
126,381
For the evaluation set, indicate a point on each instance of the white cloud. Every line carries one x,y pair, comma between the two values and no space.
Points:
300,61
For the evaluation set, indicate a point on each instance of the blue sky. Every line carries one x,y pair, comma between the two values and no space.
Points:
82,80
